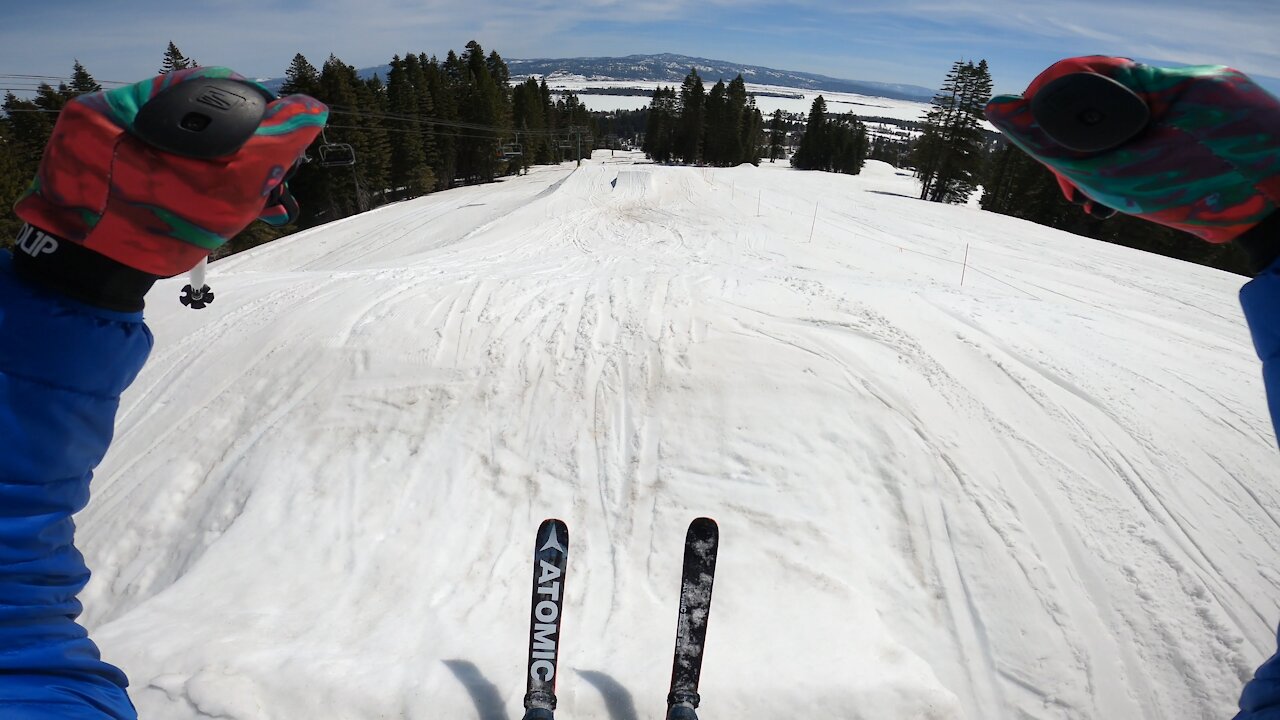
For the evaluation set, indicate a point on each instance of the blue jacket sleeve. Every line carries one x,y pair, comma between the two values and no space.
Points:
1260,299
63,366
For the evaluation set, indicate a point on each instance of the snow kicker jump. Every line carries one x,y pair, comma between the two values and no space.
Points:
632,185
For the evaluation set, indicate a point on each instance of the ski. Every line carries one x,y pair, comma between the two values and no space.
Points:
701,544
550,558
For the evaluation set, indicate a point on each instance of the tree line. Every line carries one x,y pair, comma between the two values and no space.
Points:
722,127
835,144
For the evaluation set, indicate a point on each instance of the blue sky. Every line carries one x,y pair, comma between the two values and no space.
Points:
907,41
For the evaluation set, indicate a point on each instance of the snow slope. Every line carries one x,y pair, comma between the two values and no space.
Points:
1045,493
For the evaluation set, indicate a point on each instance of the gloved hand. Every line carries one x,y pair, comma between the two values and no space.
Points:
144,181
1193,148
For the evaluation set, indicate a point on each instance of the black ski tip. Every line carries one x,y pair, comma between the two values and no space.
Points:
704,525
703,528
703,542
538,714
553,535
1088,112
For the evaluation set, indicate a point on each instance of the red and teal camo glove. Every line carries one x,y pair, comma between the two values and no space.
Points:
1203,156
144,181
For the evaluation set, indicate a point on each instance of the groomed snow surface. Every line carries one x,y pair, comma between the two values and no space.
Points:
1049,492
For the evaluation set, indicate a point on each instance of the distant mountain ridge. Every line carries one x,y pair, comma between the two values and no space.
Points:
673,68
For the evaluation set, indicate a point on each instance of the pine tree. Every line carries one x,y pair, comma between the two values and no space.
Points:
529,118
81,81
930,150
501,78
553,127
410,174
14,180
415,70
848,145
717,127
752,133
894,152
175,60
575,118
29,130
836,144
374,167
479,103
742,139
309,181
52,100
30,123
660,128
301,77
689,133
814,146
948,155
777,136
340,192
440,82
500,74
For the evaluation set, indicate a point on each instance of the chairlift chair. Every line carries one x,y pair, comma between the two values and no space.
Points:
335,154
512,150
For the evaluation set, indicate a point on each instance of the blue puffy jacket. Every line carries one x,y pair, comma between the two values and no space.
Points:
1260,299
63,366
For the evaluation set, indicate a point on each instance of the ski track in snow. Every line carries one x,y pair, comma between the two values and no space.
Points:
1045,494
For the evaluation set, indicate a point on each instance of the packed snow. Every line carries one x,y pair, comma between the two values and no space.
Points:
1038,482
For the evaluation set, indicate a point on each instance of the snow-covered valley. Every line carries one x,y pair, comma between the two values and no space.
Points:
768,98
1047,492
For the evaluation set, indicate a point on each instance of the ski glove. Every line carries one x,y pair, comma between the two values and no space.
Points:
146,180
1193,148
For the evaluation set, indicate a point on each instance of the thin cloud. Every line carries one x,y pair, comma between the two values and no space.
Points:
1235,32
903,40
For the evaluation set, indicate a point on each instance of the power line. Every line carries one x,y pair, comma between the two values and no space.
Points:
410,132
427,120
59,78
499,131
340,110
493,132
